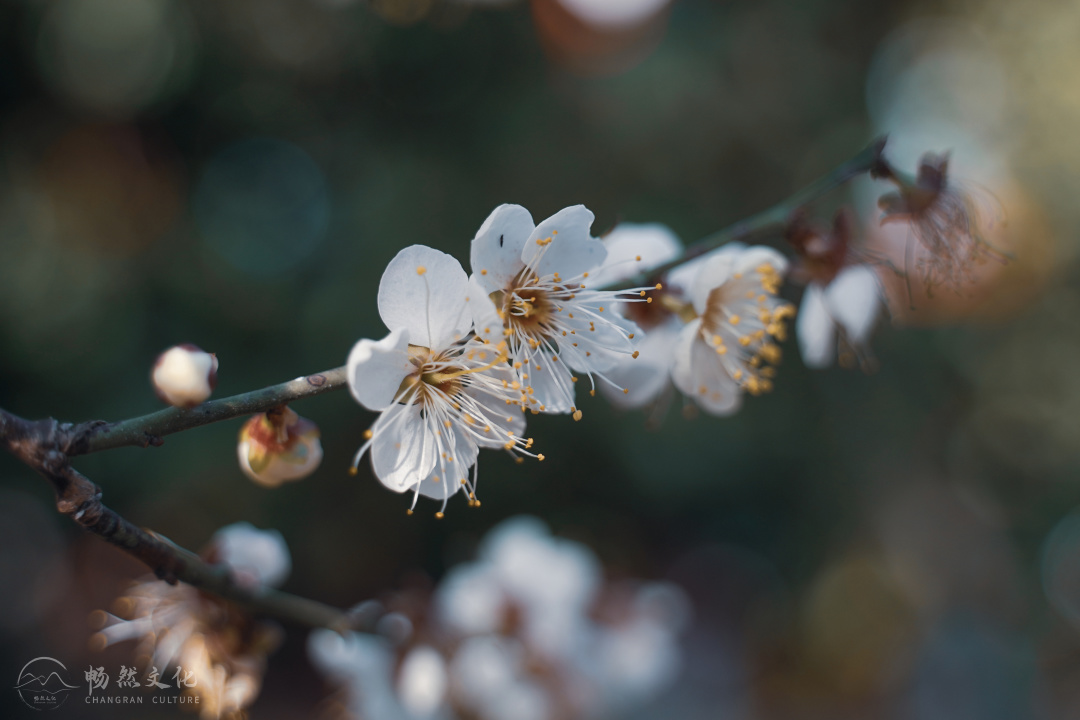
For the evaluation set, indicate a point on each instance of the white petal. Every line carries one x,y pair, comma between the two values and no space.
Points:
496,411
654,243
423,291
552,385
422,681
681,278
719,268
572,250
700,375
404,449
250,552
375,369
648,375
486,322
854,300
461,454
607,342
496,250
816,329
469,600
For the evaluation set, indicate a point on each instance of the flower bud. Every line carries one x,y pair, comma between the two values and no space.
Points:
277,446
255,557
184,375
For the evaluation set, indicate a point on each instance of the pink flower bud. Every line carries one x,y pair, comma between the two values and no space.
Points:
184,375
278,446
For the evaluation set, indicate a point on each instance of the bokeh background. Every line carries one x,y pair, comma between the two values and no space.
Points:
237,173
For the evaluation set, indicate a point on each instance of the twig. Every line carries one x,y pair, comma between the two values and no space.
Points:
150,429
868,161
44,446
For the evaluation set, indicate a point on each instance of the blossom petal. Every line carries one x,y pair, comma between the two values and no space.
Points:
719,268
375,369
648,375
496,250
854,300
510,418
404,450
653,243
564,244
816,329
486,321
423,291
681,278
700,375
552,384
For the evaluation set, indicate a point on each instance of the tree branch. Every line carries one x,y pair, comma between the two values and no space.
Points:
150,429
870,160
43,445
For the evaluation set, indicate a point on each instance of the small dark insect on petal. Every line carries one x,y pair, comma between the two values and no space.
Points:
500,240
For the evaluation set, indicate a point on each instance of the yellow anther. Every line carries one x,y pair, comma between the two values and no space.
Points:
577,415
409,511
638,258
659,286
642,293
368,433
648,300
483,272
420,269
540,457
625,391
635,354
631,336
439,515
734,319
573,379
353,471
593,392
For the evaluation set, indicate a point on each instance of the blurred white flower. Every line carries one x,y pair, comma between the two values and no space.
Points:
223,648
728,348
843,313
530,289
254,556
634,249
528,631
278,446
184,375
613,15
441,396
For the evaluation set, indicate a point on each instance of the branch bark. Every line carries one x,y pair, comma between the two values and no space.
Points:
44,446
151,429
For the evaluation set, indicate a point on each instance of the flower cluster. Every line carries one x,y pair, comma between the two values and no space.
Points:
529,630
223,647
714,327
466,357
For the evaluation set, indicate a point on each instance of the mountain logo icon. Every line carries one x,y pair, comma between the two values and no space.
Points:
42,684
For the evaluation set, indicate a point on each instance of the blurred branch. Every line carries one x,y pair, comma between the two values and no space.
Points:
44,445
150,429
870,160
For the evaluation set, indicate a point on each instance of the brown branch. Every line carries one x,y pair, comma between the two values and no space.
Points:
151,429
43,445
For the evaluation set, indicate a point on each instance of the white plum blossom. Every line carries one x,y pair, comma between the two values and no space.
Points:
184,375
840,315
442,395
634,249
729,347
528,631
531,289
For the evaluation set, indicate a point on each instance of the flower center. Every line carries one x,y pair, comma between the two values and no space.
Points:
432,374
526,310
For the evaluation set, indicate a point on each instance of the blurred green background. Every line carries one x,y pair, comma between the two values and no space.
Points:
237,173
